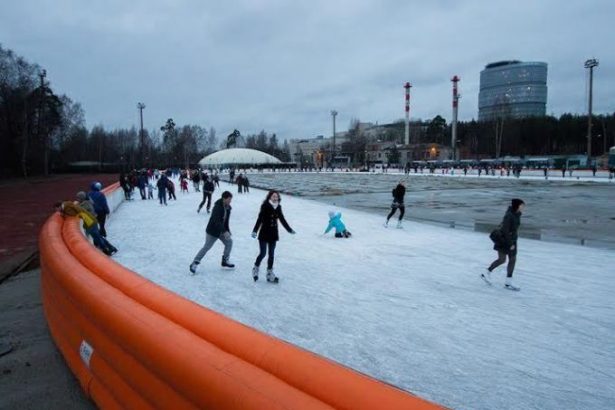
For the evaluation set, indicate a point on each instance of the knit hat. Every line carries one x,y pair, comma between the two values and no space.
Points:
98,186
516,202
81,196
331,214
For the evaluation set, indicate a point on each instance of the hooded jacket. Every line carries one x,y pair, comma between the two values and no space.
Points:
219,220
335,221
101,207
510,227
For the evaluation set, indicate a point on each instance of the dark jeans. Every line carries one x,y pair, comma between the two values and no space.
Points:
142,192
162,196
263,247
99,241
102,218
394,207
512,258
172,195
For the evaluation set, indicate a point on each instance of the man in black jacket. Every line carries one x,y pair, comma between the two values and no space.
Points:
398,203
507,245
217,228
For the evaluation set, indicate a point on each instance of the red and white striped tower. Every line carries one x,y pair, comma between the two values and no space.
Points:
407,134
456,97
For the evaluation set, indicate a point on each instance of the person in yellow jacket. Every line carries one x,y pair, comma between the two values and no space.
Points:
90,224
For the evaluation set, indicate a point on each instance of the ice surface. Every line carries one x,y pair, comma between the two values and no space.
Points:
404,306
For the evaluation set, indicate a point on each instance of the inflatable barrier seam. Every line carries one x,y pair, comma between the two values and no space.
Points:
196,356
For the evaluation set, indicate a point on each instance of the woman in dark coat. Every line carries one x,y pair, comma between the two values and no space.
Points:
506,244
267,222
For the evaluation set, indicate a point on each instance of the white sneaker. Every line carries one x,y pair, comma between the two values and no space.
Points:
255,273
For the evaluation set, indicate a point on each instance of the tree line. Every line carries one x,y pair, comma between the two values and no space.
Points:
42,131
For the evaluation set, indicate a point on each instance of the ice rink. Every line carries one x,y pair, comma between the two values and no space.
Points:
405,306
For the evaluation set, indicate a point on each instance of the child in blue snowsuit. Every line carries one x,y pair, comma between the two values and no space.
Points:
335,221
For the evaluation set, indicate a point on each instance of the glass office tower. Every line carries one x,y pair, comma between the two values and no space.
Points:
512,89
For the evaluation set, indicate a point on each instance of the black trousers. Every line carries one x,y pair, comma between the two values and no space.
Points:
263,247
402,211
101,223
206,198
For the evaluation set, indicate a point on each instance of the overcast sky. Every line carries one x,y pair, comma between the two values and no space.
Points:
283,65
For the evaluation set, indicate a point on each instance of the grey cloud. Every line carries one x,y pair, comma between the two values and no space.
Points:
282,66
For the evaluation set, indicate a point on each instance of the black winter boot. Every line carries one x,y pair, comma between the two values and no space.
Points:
226,263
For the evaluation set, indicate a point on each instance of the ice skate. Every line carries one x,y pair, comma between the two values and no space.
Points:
193,267
486,276
399,225
271,276
508,285
226,263
255,273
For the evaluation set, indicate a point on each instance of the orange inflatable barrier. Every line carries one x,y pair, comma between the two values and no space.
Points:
134,344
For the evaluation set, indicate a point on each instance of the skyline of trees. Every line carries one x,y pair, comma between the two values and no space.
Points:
42,131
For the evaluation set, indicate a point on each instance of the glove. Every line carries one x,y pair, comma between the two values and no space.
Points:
254,235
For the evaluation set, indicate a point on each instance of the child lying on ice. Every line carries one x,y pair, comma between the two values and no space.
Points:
335,221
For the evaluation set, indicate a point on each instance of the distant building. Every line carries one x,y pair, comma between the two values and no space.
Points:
512,89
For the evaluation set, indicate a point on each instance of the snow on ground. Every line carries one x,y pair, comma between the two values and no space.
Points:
404,306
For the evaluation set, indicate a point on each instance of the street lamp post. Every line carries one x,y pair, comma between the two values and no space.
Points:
141,106
590,64
456,97
333,115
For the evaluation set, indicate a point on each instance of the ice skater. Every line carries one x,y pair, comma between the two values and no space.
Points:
150,190
335,221
101,206
398,203
267,229
171,189
217,228
162,188
505,243
183,183
208,190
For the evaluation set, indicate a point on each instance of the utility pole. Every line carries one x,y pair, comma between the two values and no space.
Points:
41,108
456,97
590,64
333,115
407,132
141,106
